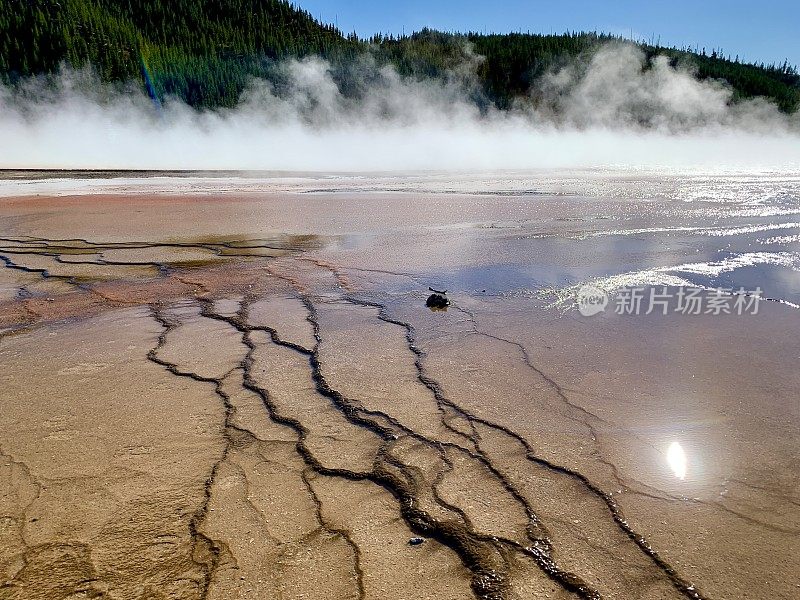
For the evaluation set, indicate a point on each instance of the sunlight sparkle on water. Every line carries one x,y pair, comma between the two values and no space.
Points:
676,458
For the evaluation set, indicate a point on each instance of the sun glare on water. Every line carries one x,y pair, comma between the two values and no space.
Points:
676,458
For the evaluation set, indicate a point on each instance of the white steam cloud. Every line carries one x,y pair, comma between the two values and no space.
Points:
609,111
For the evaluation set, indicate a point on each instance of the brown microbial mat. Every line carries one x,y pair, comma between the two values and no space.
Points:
221,397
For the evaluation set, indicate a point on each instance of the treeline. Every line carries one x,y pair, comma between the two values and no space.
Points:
201,51
779,83
205,52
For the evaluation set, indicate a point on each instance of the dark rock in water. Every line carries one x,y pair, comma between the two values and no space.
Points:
437,300
416,541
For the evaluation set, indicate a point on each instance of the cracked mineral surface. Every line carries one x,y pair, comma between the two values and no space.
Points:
220,396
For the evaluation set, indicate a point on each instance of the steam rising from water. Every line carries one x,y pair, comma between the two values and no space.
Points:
606,112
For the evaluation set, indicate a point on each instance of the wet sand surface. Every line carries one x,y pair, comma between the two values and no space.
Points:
243,395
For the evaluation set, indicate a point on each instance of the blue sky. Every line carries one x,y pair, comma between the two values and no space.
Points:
768,30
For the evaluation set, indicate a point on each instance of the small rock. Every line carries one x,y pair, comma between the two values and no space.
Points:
416,541
437,301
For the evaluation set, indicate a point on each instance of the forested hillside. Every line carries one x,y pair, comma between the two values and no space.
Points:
201,50
205,51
